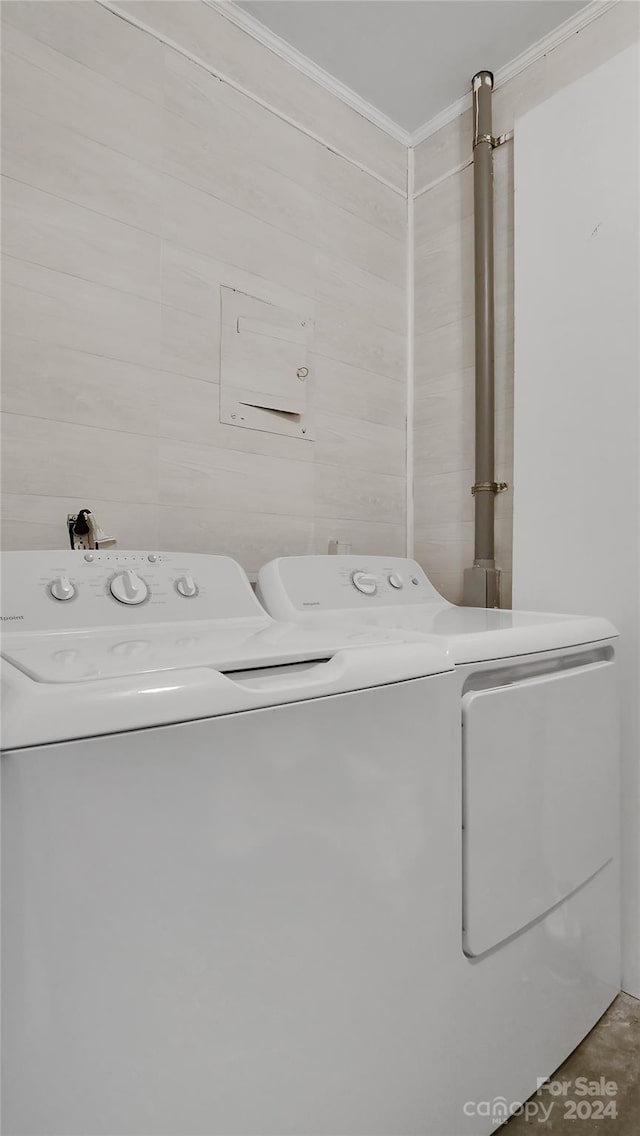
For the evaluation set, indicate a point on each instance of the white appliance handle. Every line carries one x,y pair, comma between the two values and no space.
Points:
39,712
351,668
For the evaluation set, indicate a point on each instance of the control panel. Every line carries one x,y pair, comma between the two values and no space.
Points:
55,591
321,584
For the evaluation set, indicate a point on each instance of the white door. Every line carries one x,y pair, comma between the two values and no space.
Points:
540,790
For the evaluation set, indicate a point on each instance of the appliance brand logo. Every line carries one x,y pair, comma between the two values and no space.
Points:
9,618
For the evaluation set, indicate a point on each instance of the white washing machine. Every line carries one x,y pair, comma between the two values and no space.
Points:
222,874
535,907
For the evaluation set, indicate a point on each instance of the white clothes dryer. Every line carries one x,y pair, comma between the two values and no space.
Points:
534,914
221,858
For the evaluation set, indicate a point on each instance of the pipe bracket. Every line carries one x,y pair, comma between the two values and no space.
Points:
493,139
502,138
489,487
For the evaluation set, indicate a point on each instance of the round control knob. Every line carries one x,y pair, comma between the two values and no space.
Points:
185,586
128,588
396,581
365,583
62,588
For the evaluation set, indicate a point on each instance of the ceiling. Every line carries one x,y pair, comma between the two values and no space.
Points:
410,59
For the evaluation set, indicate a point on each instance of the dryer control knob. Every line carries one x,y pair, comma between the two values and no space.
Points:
128,588
62,588
396,580
365,583
186,586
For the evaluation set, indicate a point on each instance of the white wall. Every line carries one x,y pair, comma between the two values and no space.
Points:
444,335
136,183
577,386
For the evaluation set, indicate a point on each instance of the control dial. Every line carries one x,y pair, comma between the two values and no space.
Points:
128,588
186,586
396,580
62,588
365,583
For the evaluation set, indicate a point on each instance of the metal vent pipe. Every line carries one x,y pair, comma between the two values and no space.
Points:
482,582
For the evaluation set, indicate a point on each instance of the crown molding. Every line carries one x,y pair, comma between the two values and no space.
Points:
302,63
306,66
537,50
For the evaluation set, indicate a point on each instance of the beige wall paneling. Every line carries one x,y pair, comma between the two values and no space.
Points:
67,311
136,185
89,35
64,163
444,151
45,229
197,97
231,52
51,84
38,456
33,521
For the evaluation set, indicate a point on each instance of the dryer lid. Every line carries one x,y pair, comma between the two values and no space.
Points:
394,592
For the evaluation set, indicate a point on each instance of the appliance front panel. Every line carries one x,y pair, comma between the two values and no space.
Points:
229,926
540,796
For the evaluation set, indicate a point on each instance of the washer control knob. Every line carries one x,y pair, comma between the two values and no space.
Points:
185,586
128,588
365,583
62,588
396,581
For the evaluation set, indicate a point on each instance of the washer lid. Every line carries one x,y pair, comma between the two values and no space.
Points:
275,666
225,645
109,641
